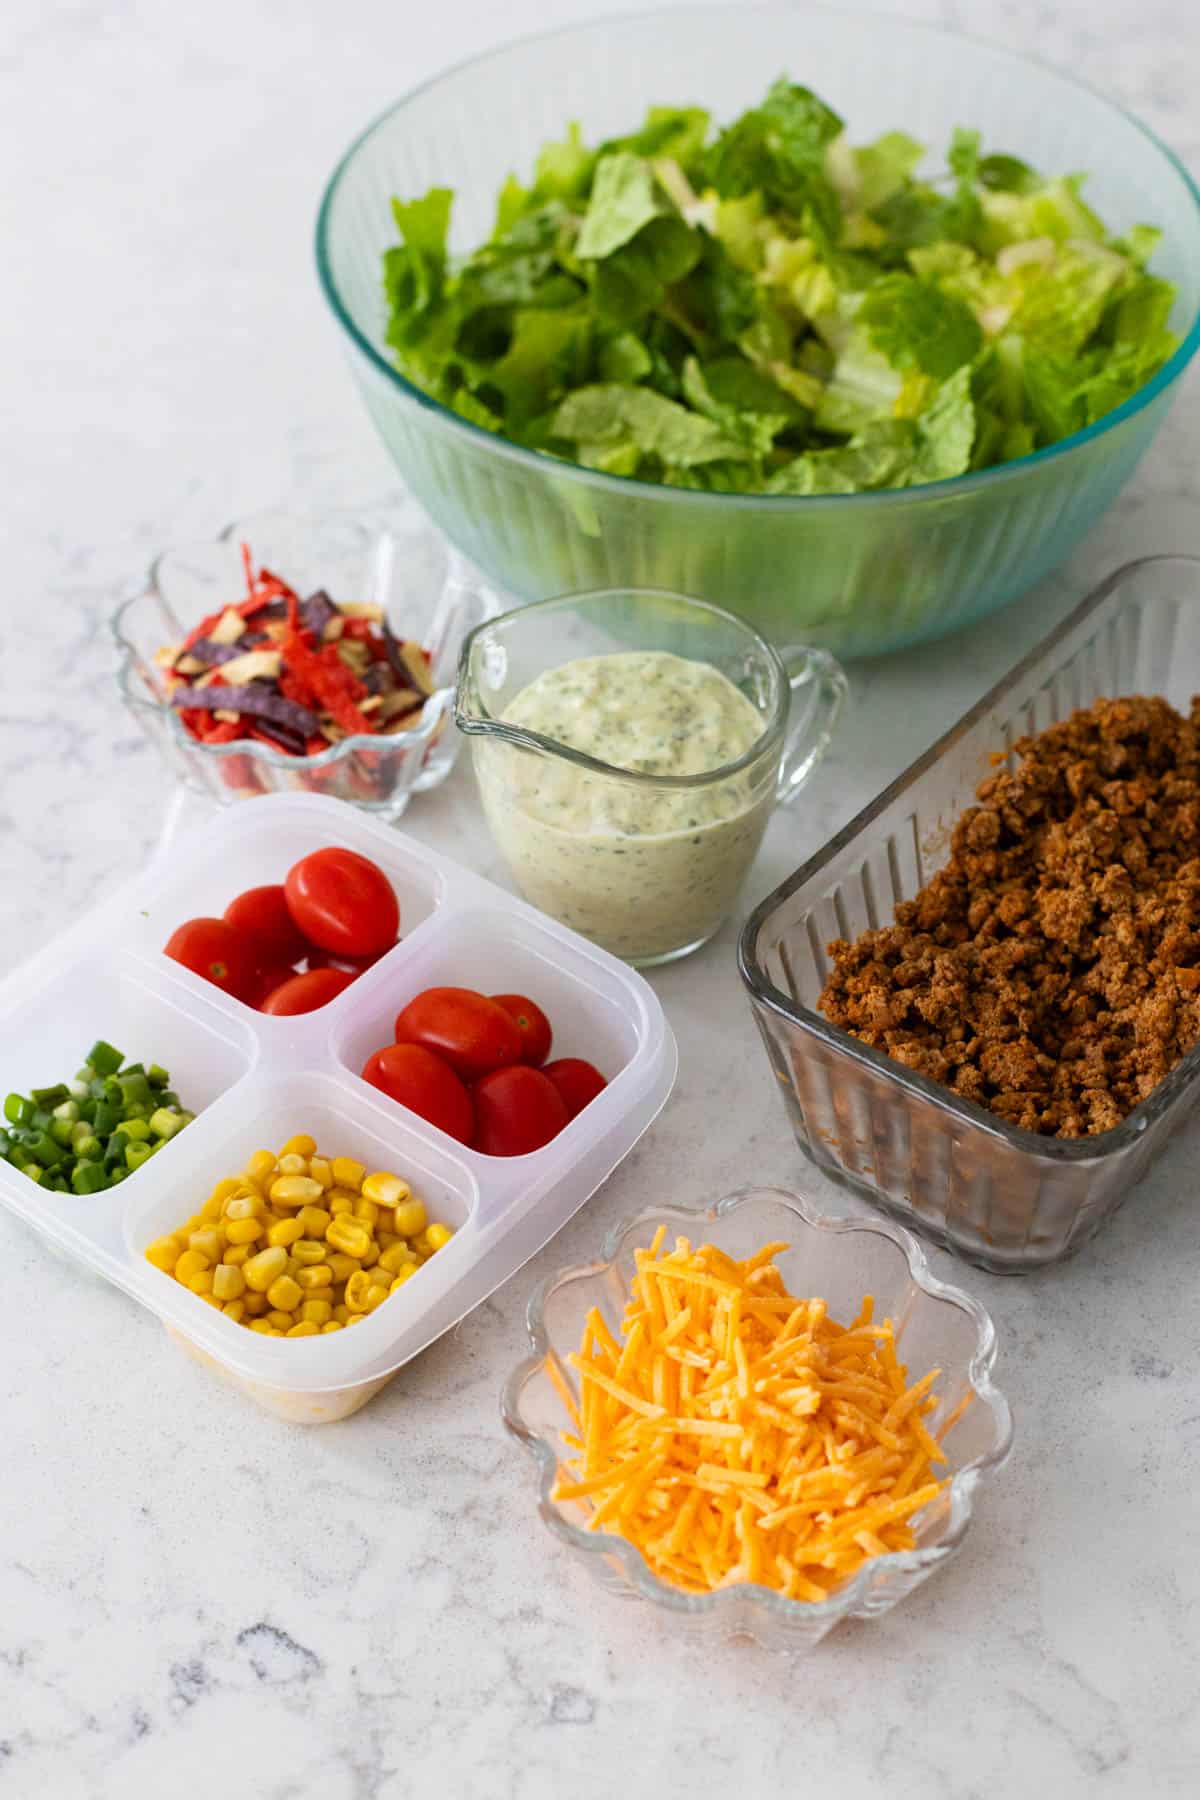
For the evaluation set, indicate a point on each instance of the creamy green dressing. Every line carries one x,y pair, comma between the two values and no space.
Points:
641,869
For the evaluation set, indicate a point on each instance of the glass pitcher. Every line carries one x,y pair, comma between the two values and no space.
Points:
645,863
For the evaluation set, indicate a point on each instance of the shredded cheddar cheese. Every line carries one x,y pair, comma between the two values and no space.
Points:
739,1434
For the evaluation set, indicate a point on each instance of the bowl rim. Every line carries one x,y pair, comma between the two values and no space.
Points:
444,418
764,995
732,1601
138,697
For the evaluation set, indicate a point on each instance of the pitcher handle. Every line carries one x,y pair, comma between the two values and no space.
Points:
819,688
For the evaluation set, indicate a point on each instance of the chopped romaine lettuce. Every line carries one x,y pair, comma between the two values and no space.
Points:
769,309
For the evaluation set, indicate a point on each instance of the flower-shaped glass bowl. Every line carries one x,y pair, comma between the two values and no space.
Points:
839,1260
389,554
852,573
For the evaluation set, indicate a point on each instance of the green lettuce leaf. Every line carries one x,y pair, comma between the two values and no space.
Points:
615,417
778,150
917,325
414,271
623,199
882,168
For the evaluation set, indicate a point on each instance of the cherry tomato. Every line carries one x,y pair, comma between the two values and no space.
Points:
214,949
342,902
270,977
426,1085
532,1024
304,993
329,959
471,1032
262,915
577,1081
516,1110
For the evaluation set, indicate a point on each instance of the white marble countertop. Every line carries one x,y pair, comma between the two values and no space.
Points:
195,1598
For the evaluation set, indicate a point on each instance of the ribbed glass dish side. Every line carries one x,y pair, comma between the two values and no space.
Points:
1003,1198
856,574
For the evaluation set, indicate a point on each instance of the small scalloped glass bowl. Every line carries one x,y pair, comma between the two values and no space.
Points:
840,1260
388,553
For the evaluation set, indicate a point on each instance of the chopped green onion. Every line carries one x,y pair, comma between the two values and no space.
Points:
136,1154
103,1058
49,1096
165,1123
88,1177
18,1110
157,1076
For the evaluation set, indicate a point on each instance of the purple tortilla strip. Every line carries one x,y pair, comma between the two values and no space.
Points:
316,612
254,698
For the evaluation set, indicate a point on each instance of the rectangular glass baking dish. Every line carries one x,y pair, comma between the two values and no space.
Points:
1001,1197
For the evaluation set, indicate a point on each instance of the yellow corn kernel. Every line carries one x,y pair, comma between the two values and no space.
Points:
263,1269
316,1275
237,1254
225,1189
348,1235
314,1220
211,1300
261,1326
437,1236
348,1173
261,1165
208,1214
292,1163
367,1213
285,1232
294,1190
244,1231
355,1319
341,1200
409,1217
208,1242
395,1258
405,1274
385,1189
228,1283
300,1145
318,1311
235,1310
357,1289
284,1294
341,1266
245,1206
308,1250
332,1325
377,1293
304,1329
189,1264
385,1238
420,1243
202,1282
319,1170
282,1321
164,1253
341,1312
370,1256
255,1303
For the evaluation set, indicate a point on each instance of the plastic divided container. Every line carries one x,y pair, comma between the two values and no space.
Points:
255,1080
1004,1198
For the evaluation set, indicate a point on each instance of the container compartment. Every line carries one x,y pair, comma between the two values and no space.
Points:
591,1015
1007,1199
256,850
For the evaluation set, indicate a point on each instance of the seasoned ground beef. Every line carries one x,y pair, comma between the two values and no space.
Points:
1051,970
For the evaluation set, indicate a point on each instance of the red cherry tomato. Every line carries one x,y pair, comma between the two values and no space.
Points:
214,949
471,1032
270,977
329,959
532,1024
516,1110
426,1085
342,902
577,1081
304,993
262,915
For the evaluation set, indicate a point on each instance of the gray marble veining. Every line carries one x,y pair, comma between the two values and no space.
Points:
195,1598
